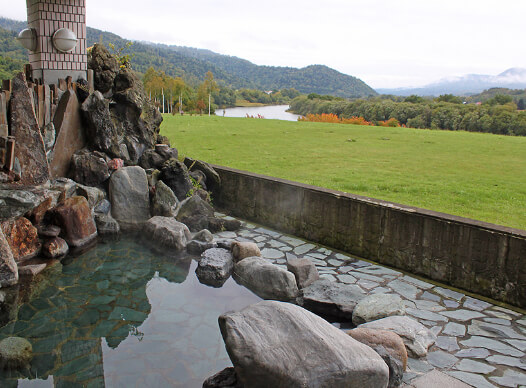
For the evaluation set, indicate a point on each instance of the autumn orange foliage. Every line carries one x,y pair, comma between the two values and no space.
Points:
332,118
392,122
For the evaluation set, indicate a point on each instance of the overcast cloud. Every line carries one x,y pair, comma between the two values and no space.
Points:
386,43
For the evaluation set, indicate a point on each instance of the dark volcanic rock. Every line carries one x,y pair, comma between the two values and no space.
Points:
105,68
213,181
89,168
151,159
166,152
199,177
134,114
82,90
396,370
101,133
73,216
29,148
175,175
22,237
225,379
195,213
163,140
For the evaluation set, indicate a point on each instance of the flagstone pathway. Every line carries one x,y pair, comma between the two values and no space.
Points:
478,344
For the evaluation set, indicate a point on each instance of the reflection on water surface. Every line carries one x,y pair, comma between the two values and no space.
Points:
121,315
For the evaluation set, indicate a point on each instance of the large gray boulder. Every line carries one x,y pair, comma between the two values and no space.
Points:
89,168
304,270
377,306
164,201
167,232
8,266
332,299
215,267
129,196
275,344
195,213
266,280
417,338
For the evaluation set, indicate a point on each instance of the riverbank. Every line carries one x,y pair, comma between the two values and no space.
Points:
276,112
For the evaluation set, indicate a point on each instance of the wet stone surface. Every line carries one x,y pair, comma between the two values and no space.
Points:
121,315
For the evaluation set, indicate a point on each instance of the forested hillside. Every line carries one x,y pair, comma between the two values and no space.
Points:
12,55
192,65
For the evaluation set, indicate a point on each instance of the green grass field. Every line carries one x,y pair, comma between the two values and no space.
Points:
474,175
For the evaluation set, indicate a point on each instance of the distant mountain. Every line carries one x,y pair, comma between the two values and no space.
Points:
192,64
516,95
514,78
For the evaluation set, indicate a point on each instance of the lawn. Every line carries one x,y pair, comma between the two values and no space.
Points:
474,175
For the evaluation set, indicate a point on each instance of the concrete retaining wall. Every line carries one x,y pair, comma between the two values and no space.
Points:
482,258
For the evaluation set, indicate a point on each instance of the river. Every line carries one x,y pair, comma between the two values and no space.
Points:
268,112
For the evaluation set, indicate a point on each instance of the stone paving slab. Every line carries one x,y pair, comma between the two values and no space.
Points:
478,344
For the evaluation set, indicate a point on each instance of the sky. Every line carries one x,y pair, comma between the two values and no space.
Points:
386,43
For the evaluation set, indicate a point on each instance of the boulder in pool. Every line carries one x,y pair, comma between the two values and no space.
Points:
265,279
167,232
15,352
215,267
129,196
332,299
73,216
276,344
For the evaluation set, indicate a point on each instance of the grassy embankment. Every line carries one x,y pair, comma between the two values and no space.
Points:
474,175
247,104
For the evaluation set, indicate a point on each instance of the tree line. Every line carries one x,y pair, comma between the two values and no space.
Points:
175,95
499,115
